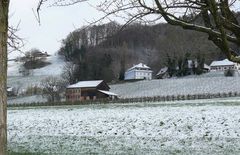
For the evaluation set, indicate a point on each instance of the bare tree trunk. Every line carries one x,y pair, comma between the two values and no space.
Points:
3,74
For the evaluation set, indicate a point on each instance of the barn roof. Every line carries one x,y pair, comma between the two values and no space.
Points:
224,62
86,84
108,93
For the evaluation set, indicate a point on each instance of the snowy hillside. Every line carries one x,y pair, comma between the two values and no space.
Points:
55,68
17,80
179,86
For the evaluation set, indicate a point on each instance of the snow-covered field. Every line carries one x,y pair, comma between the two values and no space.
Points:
55,68
179,86
192,127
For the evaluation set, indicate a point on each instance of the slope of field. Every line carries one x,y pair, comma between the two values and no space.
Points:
147,128
55,68
179,86
23,82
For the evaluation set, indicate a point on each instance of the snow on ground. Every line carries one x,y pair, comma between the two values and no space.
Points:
146,128
13,68
27,99
24,81
178,86
55,68
208,83
17,80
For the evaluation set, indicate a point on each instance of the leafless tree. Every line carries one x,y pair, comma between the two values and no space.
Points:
68,74
9,41
18,88
15,42
52,88
4,4
216,18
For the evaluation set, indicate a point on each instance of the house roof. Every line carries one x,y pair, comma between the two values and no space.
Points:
86,84
205,66
162,70
9,89
224,62
108,93
140,65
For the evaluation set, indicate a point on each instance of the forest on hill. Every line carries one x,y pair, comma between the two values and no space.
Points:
106,51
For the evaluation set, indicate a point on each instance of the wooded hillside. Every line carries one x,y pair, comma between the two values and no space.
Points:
106,51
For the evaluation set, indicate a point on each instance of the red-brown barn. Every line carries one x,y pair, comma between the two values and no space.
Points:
89,90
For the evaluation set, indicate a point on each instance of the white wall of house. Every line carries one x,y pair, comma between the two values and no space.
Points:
224,65
138,74
139,71
129,75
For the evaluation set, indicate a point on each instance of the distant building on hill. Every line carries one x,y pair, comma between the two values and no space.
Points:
89,90
224,65
11,91
192,69
140,71
39,54
163,73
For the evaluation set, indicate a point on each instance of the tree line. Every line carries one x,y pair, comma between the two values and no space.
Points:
105,51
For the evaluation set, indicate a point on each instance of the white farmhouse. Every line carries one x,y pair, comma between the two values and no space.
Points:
224,65
140,71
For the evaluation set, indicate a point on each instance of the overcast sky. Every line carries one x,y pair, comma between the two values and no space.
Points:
56,23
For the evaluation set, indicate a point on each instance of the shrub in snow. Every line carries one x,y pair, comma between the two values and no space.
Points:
183,97
178,97
224,94
235,93
229,72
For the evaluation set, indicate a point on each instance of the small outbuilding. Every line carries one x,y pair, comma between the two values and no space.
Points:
89,90
11,91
